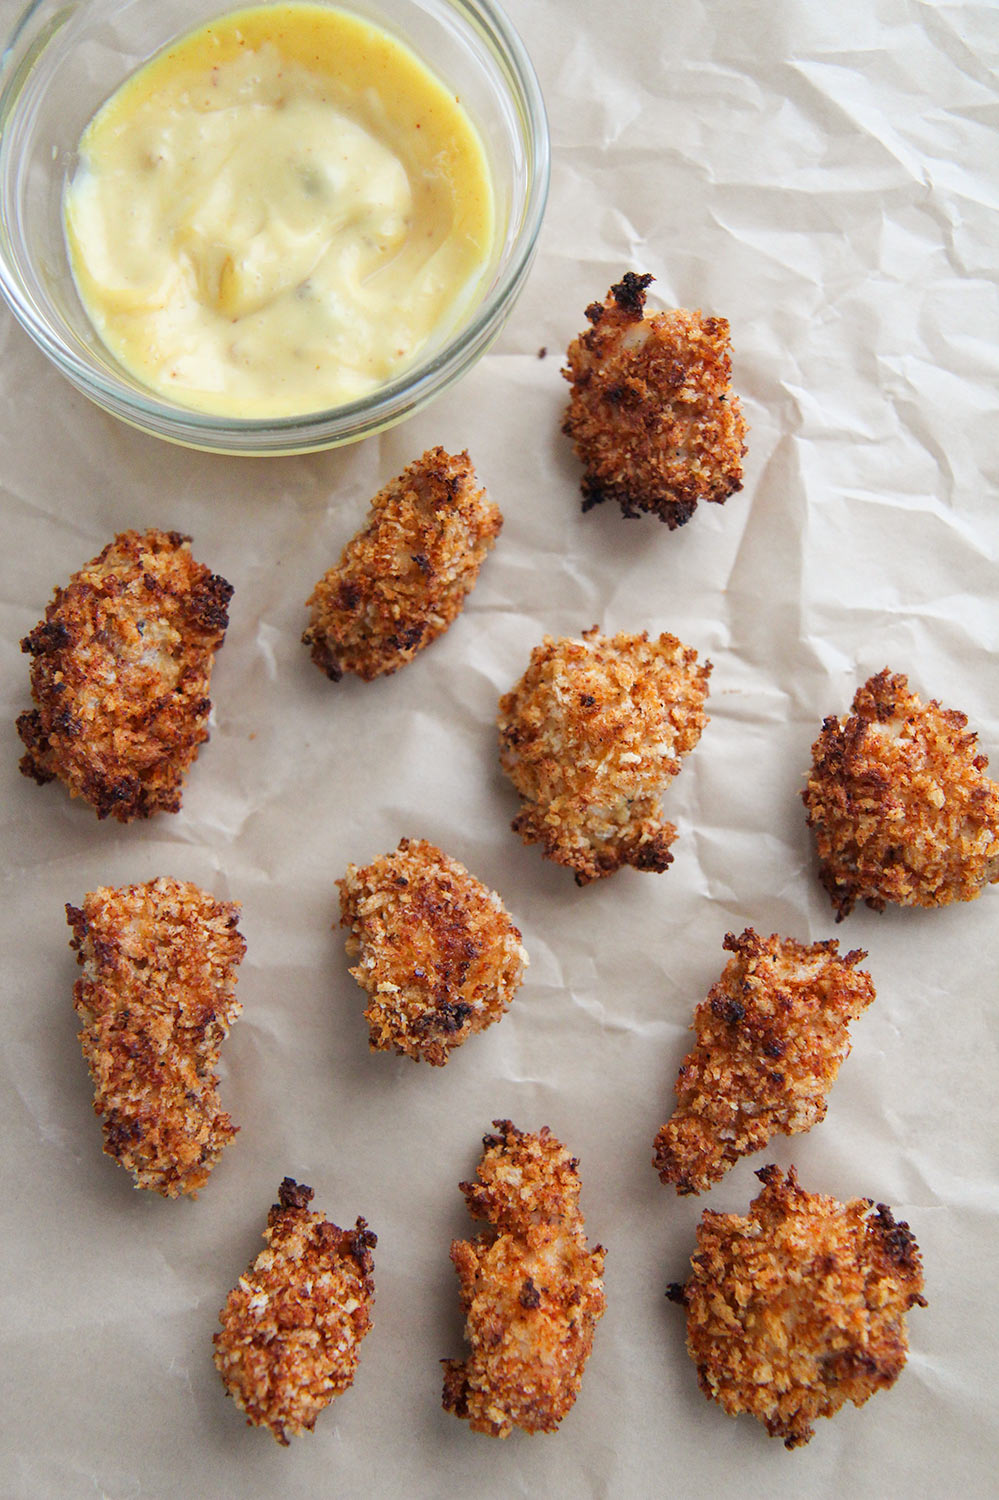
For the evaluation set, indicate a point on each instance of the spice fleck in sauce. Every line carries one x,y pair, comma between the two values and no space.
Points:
277,213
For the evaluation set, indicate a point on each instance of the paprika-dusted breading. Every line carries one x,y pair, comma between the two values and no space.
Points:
652,415
770,1038
899,803
156,1000
120,671
403,580
292,1325
591,736
801,1306
437,952
531,1290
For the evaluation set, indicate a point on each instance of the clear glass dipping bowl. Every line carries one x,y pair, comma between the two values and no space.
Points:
62,60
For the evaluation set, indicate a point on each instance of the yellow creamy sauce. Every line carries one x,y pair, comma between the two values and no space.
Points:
277,213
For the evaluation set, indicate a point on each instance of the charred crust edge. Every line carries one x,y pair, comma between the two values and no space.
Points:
292,1194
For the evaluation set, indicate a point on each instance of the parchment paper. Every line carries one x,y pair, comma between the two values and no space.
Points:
825,176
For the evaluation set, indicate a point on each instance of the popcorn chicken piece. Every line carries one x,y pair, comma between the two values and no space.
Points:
590,736
652,415
120,672
530,1288
899,803
770,1038
156,1001
404,579
801,1306
293,1324
438,954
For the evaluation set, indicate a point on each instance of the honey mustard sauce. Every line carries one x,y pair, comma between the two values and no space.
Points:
277,213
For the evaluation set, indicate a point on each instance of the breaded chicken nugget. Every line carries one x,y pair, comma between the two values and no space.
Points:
438,954
530,1288
801,1306
293,1324
120,673
899,803
770,1038
156,1001
590,736
403,580
652,415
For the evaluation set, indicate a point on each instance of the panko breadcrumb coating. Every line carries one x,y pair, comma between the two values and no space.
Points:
770,1038
652,415
292,1326
530,1288
403,580
156,1001
801,1306
120,671
899,803
438,954
591,736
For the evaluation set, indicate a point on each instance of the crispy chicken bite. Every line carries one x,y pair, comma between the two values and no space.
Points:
770,1038
437,952
591,736
156,1001
899,803
403,580
652,415
293,1324
801,1306
120,672
530,1288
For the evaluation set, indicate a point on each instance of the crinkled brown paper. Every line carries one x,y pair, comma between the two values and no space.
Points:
825,176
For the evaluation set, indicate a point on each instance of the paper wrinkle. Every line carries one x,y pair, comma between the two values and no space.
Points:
825,178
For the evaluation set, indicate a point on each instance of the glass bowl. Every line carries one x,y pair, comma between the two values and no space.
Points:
63,58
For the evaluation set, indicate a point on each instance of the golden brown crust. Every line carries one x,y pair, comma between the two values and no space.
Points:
293,1324
801,1306
899,803
403,580
770,1038
590,736
652,415
120,672
530,1288
156,1001
438,954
